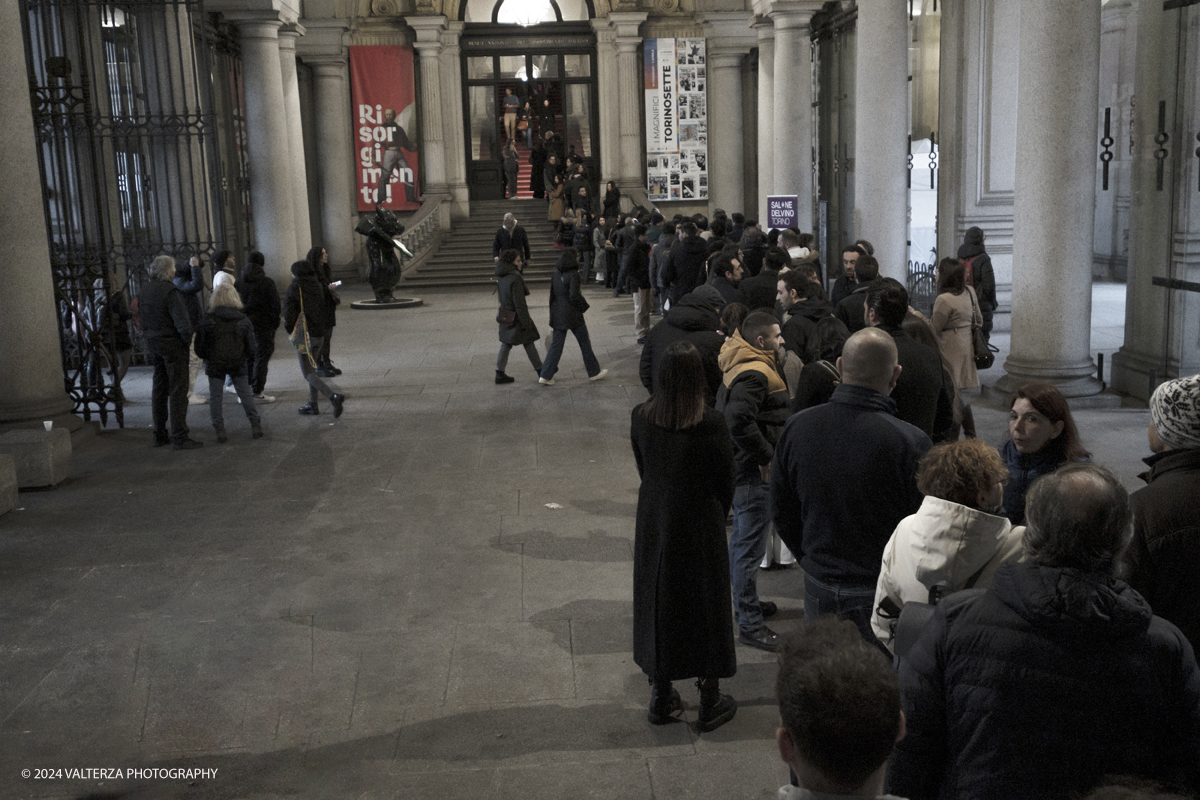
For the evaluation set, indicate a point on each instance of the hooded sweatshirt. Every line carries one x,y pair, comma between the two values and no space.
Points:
261,298
943,543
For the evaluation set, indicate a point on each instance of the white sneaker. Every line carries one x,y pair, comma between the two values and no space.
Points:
546,381
264,398
599,376
230,389
197,400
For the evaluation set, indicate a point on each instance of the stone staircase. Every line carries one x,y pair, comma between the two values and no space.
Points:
464,257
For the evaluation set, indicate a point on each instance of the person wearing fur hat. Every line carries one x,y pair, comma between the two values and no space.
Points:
1163,559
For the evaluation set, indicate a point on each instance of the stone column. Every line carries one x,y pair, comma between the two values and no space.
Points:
433,147
1161,339
456,154
725,164
610,123
766,115
271,186
30,354
335,156
793,121
881,132
288,34
629,100
1054,198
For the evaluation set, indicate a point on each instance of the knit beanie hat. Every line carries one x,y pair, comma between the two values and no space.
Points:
1175,412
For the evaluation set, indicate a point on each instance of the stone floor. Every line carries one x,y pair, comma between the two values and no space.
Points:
427,598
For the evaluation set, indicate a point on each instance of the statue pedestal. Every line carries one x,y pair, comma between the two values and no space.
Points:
399,302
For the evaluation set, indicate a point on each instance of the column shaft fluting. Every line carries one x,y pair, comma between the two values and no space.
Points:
297,166
629,86
766,116
334,159
433,148
793,114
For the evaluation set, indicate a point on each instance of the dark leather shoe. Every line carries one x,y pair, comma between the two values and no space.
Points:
161,439
502,378
663,708
309,410
187,444
714,716
763,639
768,608
321,372
337,400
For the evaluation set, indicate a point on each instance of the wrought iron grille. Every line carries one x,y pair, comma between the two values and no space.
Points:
123,114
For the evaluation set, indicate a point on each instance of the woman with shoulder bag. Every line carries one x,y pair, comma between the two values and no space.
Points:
955,316
305,319
567,306
516,326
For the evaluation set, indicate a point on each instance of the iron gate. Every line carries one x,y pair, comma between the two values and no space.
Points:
123,112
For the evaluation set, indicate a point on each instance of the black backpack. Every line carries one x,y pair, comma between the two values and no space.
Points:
228,347
907,623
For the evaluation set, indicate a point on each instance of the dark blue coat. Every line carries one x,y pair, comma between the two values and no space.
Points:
1023,470
1042,685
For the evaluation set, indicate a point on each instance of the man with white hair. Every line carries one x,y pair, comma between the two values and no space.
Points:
510,236
1163,561
167,330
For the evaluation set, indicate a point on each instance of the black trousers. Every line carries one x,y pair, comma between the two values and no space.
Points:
168,395
257,363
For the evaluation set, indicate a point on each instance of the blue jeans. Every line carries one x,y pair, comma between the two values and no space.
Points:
854,603
747,543
550,365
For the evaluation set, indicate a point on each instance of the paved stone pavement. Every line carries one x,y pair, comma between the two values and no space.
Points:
382,606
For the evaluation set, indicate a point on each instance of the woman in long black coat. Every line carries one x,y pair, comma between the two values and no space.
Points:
510,288
567,306
612,201
682,626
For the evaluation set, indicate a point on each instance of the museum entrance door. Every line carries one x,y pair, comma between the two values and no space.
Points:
550,69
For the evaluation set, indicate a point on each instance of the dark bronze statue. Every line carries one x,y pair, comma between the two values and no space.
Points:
381,230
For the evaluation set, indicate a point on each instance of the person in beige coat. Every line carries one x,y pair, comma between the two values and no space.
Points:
958,538
556,200
955,312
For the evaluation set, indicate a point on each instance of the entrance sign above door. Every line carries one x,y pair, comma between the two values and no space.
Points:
676,80
385,122
781,211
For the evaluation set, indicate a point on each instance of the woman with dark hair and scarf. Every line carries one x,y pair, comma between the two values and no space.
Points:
306,296
318,259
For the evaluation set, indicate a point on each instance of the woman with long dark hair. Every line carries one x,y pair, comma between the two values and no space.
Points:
306,298
955,314
318,259
567,306
682,627
612,201
1043,437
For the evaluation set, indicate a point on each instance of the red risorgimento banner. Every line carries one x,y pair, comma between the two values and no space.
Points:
385,117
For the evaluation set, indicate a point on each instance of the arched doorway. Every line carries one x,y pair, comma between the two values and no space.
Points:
544,53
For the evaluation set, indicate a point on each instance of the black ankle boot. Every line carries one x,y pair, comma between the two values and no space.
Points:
715,708
220,429
664,703
502,378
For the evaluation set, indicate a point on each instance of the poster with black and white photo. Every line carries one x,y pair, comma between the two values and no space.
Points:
676,119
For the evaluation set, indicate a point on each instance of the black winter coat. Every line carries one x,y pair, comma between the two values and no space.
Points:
802,323
983,277
758,291
612,204
163,314
191,287
206,342
682,627
730,292
842,287
637,265
581,240
516,239
567,302
261,298
844,476
511,291
693,320
685,267
305,286
1163,560
850,309
924,392
1042,685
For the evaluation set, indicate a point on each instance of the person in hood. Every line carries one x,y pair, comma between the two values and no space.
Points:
1164,558
685,265
756,403
693,320
306,297
262,308
1056,676
979,273
511,292
567,306
225,340
801,302
957,539
753,245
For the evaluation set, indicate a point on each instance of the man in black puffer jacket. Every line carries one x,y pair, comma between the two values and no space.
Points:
261,298
1055,677
694,319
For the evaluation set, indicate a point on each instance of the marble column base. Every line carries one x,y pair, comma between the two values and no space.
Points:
1073,380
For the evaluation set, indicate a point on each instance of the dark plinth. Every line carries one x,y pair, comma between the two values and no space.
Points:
399,302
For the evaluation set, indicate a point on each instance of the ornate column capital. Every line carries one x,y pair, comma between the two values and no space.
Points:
764,28
429,29
604,32
728,32
627,26
256,25
291,31
323,39
793,13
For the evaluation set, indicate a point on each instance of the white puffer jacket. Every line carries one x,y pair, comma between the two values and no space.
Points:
943,542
